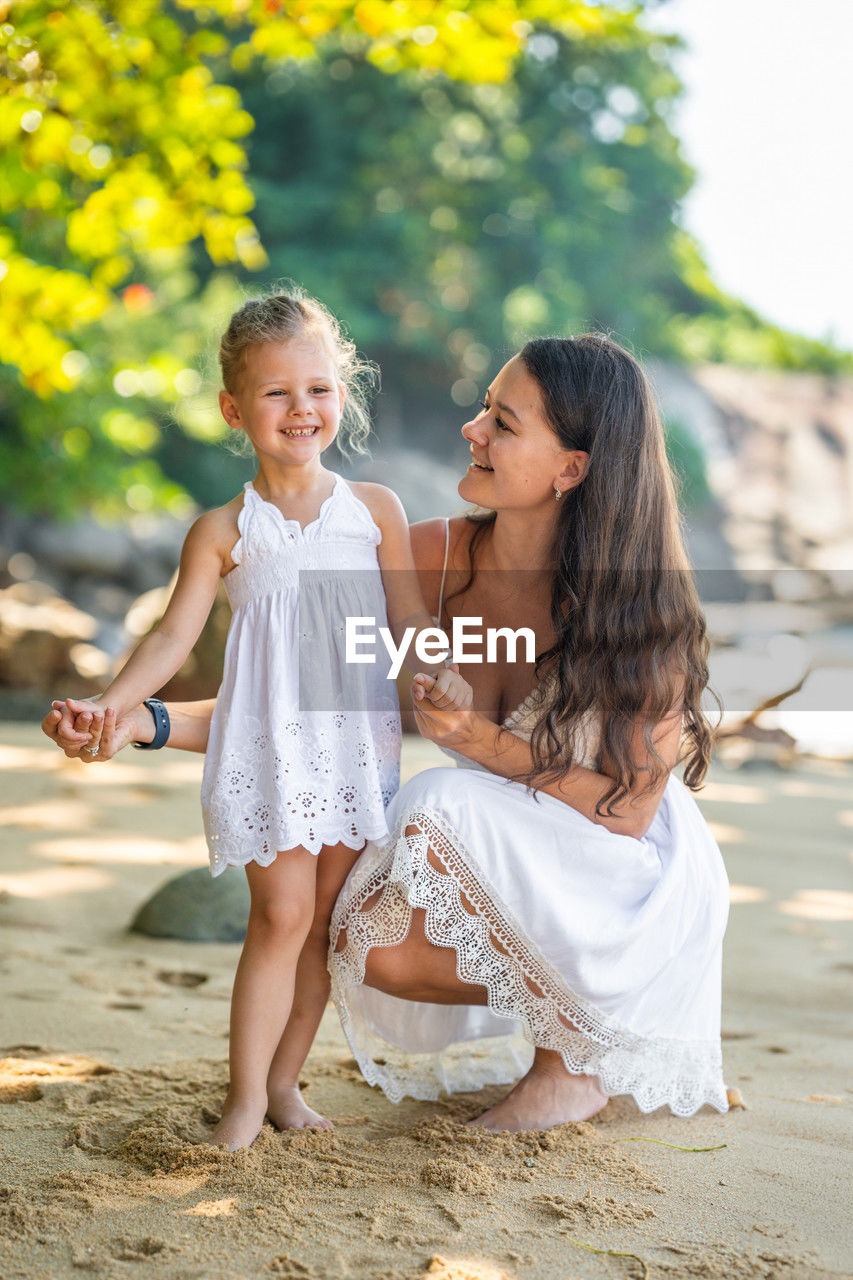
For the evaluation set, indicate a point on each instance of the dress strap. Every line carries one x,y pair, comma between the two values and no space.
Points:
444,568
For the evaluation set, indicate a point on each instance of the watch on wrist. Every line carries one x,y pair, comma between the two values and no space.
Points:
161,726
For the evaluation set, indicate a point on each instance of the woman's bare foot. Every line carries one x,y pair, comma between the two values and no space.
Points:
287,1110
239,1125
546,1096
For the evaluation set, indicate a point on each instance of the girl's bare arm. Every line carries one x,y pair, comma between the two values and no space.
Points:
403,595
164,651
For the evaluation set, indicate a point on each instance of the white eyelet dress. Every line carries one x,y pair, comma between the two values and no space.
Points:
602,947
278,775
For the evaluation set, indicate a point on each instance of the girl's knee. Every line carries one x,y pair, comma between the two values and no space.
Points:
286,918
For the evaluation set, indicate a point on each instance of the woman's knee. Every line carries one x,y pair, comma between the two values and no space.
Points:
398,970
432,789
389,969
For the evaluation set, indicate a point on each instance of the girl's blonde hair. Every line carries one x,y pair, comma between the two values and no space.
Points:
284,316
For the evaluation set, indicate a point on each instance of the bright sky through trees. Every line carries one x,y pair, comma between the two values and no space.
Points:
766,121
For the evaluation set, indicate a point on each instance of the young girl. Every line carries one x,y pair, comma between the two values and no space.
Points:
289,793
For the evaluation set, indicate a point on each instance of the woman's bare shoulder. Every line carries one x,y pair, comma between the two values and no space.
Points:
429,539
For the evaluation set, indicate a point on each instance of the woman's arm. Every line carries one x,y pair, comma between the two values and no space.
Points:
505,754
189,725
189,728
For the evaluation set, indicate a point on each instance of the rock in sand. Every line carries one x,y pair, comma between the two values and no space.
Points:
196,907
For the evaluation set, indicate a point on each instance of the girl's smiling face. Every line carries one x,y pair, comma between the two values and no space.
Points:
288,400
517,458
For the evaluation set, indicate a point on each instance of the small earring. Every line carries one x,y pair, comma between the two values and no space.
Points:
558,493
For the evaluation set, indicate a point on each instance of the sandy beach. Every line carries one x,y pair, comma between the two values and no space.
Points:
114,1064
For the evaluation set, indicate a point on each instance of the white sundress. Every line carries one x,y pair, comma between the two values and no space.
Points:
304,749
605,948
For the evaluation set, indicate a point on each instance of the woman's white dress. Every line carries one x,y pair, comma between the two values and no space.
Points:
304,748
602,947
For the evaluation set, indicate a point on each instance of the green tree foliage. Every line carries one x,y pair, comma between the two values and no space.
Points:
513,173
450,221
121,146
117,140
135,400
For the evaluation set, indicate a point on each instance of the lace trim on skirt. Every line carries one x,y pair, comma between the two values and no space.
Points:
493,952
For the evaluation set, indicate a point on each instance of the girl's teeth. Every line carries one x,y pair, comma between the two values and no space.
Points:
308,431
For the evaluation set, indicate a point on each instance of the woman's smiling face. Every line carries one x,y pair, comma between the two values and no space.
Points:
517,459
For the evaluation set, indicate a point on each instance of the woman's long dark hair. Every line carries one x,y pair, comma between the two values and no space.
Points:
630,632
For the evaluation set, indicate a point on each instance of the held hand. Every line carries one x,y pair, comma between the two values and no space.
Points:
451,726
82,722
99,727
71,729
84,707
448,690
88,722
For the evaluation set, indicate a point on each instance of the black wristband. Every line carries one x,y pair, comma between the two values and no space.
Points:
161,726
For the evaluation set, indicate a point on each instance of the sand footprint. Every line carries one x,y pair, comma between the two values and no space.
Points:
178,978
126,1250
85,1137
290,1268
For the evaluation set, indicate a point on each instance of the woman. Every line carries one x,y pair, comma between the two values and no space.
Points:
561,890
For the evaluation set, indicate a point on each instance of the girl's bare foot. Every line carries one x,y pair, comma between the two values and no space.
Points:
287,1110
546,1096
239,1125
